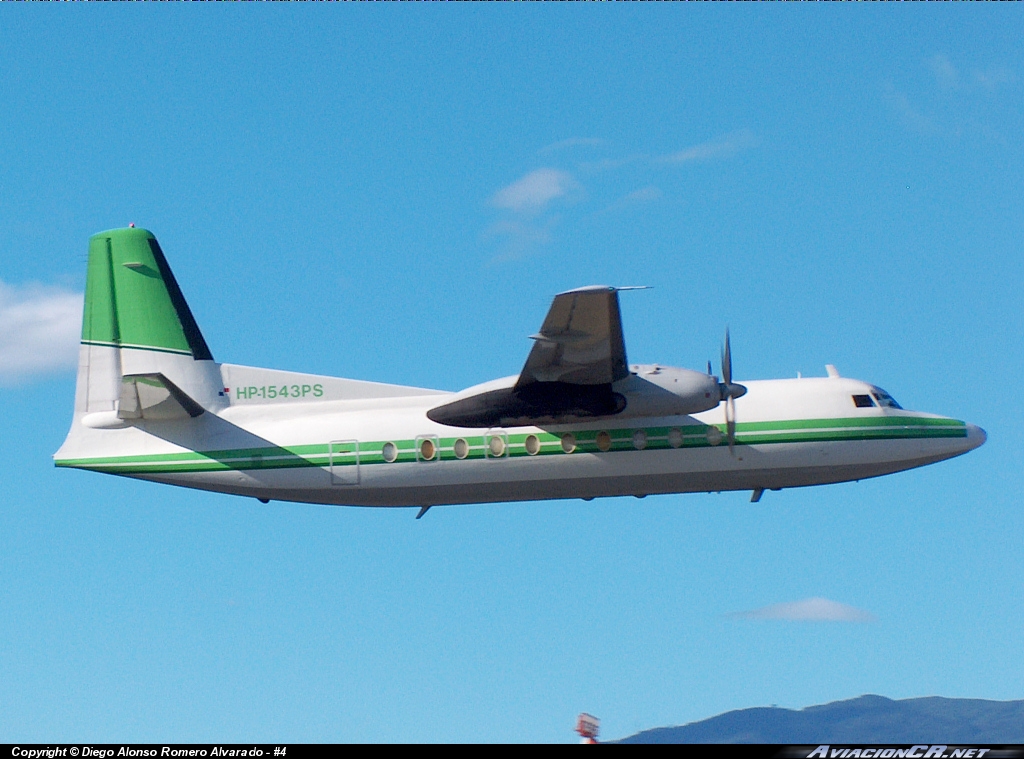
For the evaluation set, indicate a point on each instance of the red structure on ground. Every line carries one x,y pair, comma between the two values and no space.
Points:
587,725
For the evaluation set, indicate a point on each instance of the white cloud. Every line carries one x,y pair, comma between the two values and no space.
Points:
809,610
721,147
611,163
529,202
39,330
643,195
572,142
945,72
534,191
994,78
635,198
949,77
910,114
520,238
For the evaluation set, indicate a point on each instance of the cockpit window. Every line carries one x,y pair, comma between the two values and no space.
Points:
884,399
863,401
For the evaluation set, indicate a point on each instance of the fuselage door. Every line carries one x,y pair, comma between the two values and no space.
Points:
344,462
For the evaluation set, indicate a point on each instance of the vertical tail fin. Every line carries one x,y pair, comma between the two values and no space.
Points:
132,299
136,322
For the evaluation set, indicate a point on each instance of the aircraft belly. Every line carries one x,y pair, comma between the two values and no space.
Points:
581,475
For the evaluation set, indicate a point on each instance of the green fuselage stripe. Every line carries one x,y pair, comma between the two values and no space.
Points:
515,445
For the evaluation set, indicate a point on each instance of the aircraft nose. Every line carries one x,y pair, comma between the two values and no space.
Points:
975,436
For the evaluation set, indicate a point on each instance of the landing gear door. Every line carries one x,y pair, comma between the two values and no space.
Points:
344,462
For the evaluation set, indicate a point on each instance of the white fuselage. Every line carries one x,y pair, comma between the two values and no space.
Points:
328,448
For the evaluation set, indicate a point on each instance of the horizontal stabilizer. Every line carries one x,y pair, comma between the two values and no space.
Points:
154,397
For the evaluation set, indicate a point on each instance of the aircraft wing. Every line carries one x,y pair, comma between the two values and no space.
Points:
578,354
580,342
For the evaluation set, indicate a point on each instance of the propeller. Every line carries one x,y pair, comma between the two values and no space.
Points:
729,391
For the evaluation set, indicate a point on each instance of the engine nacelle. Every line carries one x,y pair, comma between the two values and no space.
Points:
655,390
649,390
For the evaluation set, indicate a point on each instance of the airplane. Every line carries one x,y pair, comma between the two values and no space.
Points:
578,421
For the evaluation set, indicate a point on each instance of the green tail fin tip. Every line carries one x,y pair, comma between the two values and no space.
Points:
132,299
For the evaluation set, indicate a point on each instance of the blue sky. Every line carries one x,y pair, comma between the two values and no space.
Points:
395,193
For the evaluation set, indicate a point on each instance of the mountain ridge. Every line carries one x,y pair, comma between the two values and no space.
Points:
865,719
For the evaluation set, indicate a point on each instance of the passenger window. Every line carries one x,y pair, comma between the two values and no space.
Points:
863,401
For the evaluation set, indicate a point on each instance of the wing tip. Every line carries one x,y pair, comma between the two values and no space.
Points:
604,289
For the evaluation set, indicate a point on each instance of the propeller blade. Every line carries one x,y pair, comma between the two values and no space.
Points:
726,386
730,392
730,423
727,360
